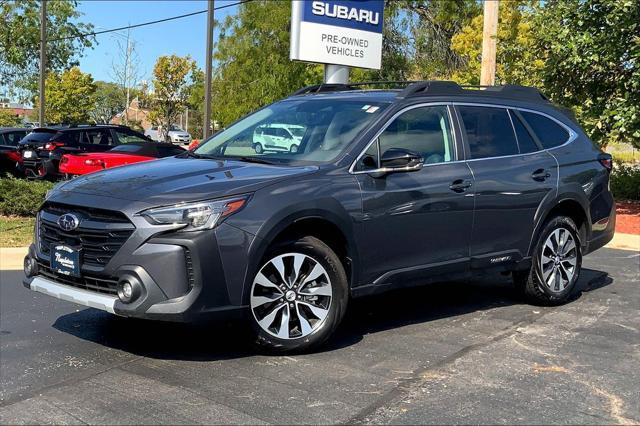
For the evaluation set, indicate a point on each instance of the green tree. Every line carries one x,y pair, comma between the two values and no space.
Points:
171,89
516,58
70,97
253,65
431,25
20,40
591,52
110,100
195,103
9,119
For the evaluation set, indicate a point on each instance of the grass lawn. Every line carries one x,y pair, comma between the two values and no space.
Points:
16,231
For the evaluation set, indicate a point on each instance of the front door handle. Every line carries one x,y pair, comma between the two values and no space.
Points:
460,185
540,175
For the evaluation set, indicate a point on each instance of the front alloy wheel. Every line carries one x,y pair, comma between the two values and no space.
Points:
291,296
299,295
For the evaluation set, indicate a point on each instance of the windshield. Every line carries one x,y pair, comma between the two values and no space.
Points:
302,131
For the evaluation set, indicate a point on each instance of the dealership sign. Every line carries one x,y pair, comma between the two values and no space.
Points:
341,32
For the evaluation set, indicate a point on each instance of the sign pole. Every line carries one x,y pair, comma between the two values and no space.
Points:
489,38
336,74
43,58
208,72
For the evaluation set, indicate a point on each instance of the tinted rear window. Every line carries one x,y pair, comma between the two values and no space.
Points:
39,137
489,131
550,133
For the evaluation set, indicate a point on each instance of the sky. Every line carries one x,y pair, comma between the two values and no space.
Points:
181,37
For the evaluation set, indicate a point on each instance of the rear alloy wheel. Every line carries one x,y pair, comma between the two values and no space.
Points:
556,264
293,149
298,296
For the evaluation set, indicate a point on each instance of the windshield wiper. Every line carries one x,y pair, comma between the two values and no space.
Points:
251,160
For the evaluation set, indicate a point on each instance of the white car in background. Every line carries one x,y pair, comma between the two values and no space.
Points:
277,137
176,135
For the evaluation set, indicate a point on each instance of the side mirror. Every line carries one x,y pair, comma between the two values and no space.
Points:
401,160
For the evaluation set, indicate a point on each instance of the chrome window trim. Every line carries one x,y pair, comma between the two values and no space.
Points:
388,123
572,134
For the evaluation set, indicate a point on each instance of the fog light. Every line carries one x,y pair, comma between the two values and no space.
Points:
30,267
129,290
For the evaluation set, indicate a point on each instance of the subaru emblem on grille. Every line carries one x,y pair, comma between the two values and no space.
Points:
68,222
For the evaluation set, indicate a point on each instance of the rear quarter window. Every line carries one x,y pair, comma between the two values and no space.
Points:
549,133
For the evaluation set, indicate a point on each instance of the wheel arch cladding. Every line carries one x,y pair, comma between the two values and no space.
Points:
323,225
571,208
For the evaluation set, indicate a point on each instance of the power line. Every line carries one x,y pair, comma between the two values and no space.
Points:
148,23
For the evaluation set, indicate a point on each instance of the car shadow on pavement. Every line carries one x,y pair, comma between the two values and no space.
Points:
209,340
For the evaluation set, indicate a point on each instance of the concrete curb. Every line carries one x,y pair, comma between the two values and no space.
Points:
11,258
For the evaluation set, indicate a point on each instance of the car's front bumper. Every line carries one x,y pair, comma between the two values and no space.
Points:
181,276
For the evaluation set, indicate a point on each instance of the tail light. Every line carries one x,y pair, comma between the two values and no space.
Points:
50,146
64,159
92,162
606,160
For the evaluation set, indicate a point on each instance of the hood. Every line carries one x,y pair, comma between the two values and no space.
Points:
174,180
178,133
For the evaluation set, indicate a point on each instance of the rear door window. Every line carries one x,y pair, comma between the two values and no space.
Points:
127,136
549,133
489,131
525,140
12,138
98,137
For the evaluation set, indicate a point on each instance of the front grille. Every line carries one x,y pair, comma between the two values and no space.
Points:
100,235
91,283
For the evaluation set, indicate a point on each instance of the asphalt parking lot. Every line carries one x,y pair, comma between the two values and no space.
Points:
448,353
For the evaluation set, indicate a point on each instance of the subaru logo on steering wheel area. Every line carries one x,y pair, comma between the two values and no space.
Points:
68,222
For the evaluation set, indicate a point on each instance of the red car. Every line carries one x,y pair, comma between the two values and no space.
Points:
129,153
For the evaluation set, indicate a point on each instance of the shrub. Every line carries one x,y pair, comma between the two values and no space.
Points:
625,182
20,197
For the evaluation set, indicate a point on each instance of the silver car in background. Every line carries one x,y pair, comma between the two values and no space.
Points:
175,135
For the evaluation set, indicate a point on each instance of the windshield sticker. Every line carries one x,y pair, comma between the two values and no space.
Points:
366,107
372,109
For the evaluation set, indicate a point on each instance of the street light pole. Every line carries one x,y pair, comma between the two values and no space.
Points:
208,72
43,57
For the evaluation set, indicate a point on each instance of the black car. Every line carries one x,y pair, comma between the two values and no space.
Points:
42,149
389,188
9,155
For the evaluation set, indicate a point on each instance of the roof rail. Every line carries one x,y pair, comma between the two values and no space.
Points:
431,88
513,91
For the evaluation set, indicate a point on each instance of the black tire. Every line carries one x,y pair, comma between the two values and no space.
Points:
531,282
258,148
293,149
322,254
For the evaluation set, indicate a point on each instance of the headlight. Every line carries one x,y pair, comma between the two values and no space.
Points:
195,216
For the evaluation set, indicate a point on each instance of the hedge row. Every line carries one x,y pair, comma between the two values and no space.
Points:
20,197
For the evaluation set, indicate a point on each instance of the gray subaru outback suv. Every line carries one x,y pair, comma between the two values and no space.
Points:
389,188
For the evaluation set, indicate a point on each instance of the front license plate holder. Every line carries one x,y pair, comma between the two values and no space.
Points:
65,260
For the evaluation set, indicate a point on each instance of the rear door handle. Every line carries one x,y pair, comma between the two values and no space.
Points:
540,175
460,185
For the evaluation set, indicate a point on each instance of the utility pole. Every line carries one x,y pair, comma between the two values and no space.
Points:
208,72
489,39
43,56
